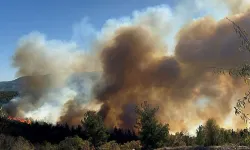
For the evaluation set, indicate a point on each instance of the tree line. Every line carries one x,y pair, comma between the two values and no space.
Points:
92,134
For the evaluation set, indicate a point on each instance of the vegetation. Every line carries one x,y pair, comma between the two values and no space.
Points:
92,134
152,134
15,143
200,136
212,136
94,128
48,137
6,96
73,143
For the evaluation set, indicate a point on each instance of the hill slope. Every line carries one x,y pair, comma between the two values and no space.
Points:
17,84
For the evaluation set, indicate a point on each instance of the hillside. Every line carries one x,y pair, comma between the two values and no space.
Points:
11,89
17,84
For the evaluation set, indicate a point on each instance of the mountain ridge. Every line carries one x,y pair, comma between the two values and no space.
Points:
16,84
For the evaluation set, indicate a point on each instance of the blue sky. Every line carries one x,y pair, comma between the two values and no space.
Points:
55,19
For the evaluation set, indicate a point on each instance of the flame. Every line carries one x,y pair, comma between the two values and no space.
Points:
20,120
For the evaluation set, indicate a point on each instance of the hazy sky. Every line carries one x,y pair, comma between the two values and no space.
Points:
61,20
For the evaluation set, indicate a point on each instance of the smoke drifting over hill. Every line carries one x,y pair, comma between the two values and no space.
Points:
135,65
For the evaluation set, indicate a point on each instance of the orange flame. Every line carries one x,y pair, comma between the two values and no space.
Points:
20,119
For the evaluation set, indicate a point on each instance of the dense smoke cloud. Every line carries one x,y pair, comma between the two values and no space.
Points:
132,73
135,69
132,57
51,69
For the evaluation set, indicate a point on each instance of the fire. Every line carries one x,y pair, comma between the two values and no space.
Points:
20,119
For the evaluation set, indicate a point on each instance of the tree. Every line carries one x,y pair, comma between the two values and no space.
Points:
200,136
179,139
94,128
6,96
211,133
225,136
152,134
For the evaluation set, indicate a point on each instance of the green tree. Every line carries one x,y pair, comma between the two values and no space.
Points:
179,139
225,136
94,128
152,134
211,133
200,136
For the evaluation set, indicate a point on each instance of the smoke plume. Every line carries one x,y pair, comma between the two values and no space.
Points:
130,62
50,69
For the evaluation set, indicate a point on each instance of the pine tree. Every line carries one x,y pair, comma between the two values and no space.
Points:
152,134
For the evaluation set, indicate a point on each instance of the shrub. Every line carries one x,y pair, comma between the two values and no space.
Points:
15,143
74,143
46,146
136,145
112,145
246,141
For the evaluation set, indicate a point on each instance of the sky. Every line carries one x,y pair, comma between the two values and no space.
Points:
61,20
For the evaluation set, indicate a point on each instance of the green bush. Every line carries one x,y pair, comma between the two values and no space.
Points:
74,143
46,146
136,145
246,141
14,143
112,145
